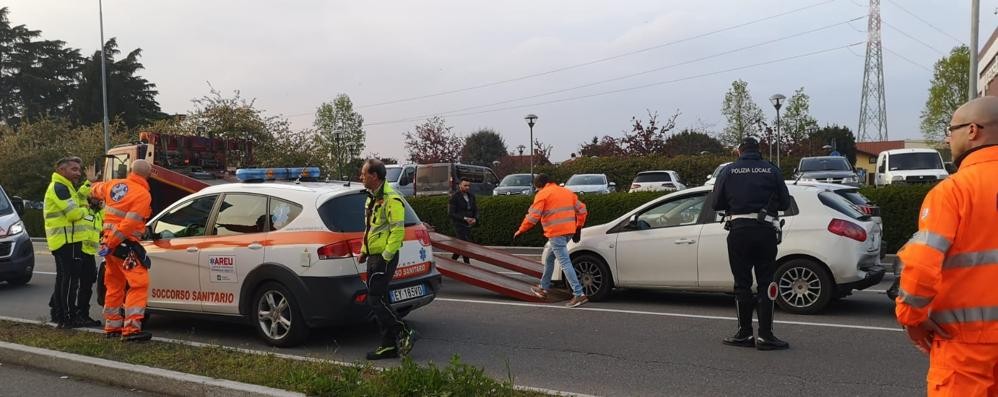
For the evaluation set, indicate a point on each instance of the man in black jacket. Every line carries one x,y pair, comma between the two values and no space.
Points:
463,211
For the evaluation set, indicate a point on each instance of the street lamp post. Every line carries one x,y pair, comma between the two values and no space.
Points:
777,101
103,73
520,148
530,121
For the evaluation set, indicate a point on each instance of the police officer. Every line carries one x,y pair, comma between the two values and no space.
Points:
751,192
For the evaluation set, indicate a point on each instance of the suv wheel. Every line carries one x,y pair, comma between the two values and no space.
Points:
805,287
594,275
278,317
22,280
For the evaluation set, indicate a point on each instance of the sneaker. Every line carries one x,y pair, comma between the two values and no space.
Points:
577,301
741,339
539,292
770,343
406,342
383,352
140,336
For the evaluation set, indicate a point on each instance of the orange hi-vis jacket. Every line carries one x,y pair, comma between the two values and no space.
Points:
559,211
950,267
127,205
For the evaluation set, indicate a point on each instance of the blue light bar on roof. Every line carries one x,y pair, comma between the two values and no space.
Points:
277,174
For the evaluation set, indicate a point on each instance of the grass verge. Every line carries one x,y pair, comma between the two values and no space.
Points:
311,378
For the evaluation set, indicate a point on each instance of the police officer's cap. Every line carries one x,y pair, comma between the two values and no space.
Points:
749,144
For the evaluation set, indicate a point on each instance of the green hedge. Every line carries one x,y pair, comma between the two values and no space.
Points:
899,206
33,222
501,215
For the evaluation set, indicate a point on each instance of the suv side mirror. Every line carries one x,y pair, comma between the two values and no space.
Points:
950,168
18,204
633,223
613,184
405,180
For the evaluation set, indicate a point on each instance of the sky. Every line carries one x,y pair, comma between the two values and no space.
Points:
488,64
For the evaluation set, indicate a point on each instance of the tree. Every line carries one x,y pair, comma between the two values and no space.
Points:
542,152
838,137
483,147
648,138
691,142
129,96
744,116
948,90
290,148
607,146
340,129
433,142
217,116
37,77
797,122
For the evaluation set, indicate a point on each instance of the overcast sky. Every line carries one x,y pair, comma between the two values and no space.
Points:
291,56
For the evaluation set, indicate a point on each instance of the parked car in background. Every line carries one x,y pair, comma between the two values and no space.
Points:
590,184
443,178
401,178
829,169
910,166
677,242
713,175
656,181
17,255
515,184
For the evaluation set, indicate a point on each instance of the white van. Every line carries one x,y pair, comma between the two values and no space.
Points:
909,166
401,178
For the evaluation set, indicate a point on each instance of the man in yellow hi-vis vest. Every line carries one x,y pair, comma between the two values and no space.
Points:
88,263
67,225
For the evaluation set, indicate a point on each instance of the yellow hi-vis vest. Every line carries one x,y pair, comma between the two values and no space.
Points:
385,223
66,221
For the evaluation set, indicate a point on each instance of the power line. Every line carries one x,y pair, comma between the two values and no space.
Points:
907,59
595,61
626,76
896,29
924,21
633,87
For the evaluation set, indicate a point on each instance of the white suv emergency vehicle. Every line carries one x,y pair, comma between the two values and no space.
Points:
278,255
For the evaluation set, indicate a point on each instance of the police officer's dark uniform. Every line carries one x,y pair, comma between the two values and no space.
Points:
751,191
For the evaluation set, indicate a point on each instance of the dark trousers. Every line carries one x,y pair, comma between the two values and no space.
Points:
752,249
67,282
379,275
88,276
463,233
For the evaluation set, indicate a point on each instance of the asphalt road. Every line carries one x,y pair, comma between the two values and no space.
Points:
638,343
20,381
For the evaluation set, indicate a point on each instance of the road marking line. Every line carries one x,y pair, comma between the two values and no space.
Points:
663,314
46,273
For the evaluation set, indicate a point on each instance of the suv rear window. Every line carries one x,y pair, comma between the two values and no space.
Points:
841,204
653,177
345,214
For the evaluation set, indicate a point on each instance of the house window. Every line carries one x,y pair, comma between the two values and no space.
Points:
873,160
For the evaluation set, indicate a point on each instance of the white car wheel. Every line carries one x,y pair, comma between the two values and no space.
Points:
804,286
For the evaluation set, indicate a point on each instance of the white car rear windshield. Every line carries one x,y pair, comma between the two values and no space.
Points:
345,214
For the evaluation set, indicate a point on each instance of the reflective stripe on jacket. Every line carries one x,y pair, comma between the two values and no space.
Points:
64,215
557,209
950,266
385,229
127,205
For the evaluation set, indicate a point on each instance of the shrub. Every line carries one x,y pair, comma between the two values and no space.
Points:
501,215
899,206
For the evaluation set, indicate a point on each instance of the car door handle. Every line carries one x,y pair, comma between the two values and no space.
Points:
685,241
192,249
255,245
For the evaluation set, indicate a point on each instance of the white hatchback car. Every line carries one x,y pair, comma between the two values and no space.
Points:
676,242
656,181
280,256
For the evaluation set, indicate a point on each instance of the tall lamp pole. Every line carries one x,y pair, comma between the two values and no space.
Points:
777,101
530,121
103,79
975,9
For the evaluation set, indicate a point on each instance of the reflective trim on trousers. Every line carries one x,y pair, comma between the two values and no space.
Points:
933,240
112,310
965,315
133,324
134,311
971,259
113,324
914,300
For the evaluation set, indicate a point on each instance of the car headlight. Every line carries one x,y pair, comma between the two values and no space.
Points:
525,191
849,179
897,178
808,179
16,228
495,192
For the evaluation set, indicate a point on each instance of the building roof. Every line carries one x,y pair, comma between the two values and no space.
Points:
874,148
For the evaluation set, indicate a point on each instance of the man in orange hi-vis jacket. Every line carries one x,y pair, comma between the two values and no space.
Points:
127,205
948,301
562,216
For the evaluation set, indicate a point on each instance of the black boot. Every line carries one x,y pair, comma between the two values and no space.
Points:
744,336
140,336
766,339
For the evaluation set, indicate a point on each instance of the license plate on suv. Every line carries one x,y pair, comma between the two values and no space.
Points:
404,294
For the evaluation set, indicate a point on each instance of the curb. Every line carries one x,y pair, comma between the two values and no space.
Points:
139,377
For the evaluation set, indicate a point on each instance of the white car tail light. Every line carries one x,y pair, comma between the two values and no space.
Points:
424,237
847,229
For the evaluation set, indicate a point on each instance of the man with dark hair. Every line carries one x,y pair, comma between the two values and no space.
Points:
67,226
562,216
463,211
752,192
384,234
